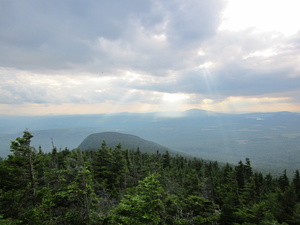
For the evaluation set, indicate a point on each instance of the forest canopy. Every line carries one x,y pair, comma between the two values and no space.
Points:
121,186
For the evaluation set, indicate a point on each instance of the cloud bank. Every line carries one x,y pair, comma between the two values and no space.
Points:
104,56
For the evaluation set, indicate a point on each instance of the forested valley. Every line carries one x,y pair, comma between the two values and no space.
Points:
122,186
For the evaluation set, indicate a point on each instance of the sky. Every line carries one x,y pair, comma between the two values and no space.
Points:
109,56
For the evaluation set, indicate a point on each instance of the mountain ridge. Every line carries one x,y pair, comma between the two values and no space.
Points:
127,141
266,138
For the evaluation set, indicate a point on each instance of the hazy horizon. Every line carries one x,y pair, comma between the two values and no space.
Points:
167,114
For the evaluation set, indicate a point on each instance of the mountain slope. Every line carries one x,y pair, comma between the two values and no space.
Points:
112,139
271,140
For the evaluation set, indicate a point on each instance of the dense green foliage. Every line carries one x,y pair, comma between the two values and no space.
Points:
118,186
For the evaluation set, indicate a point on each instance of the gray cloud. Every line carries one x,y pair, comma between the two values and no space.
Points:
200,22
245,64
59,34
97,51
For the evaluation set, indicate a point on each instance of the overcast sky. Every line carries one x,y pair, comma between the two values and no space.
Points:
107,56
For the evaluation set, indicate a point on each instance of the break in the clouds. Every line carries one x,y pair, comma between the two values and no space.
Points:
109,56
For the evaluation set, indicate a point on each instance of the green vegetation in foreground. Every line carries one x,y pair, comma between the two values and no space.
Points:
118,186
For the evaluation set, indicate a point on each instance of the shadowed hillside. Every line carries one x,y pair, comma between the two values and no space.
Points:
112,139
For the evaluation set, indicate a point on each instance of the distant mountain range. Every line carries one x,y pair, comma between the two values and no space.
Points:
270,140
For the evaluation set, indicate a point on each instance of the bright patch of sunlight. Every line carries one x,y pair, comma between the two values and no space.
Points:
172,104
266,15
207,65
160,37
174,98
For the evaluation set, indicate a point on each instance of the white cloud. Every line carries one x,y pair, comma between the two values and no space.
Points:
263,54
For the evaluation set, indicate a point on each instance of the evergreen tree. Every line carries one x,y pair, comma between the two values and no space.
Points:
283,181
296,184
142,205
19,184
22,161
